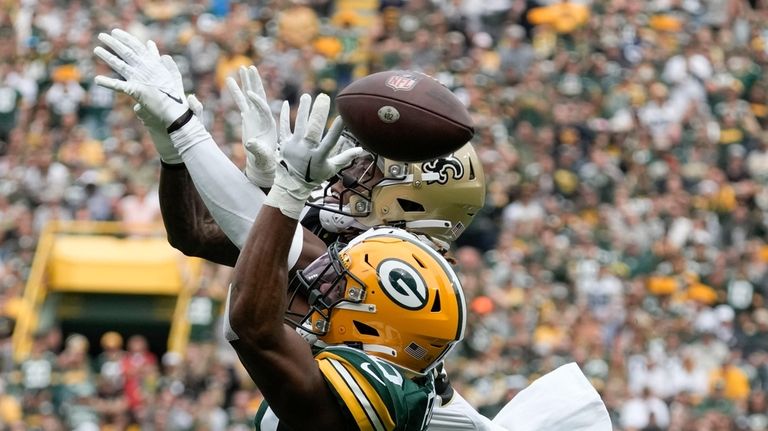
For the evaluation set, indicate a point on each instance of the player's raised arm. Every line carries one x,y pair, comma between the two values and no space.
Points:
155,82
188,223
190,226
276,357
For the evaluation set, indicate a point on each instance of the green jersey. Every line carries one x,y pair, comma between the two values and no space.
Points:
374,394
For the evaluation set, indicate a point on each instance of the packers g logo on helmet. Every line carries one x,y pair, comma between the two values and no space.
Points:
386,293
403,284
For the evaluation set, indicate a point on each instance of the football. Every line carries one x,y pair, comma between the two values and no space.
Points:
404,115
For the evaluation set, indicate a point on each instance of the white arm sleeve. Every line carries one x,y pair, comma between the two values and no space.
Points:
232,200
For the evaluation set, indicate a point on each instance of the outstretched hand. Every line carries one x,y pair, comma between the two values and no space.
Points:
305,151
149,78
305,157
259,129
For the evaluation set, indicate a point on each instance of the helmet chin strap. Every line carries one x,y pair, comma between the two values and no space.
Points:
310,338
340,223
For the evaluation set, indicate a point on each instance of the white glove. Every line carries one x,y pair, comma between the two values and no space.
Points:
149,79
259,129
303,158
155,127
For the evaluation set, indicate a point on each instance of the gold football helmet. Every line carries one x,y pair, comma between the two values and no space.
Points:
437,198
386,293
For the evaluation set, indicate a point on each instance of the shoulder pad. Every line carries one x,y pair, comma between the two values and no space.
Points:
376,393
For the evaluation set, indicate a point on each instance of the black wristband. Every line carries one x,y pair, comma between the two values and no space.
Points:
180,122
173,166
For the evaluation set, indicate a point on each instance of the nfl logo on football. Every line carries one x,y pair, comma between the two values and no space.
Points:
402,82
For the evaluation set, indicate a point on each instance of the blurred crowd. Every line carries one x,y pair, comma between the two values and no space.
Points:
626,154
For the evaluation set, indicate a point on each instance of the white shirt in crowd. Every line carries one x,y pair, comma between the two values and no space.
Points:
637,411
65,97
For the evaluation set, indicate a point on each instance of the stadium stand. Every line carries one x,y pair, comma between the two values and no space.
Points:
625,228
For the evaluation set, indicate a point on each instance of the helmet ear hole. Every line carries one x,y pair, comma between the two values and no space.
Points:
436,305
364,329
410,206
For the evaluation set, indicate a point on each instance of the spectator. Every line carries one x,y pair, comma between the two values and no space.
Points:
66,94
757,409
109,363
9,107
731,380
96,106
10,409
139,207
716,402
80,150
661,116
645,412
138,366
690,378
